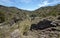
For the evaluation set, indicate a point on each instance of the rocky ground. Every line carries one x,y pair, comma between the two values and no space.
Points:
44,28
41,30
47,33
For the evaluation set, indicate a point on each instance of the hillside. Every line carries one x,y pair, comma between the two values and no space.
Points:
10,12
40,23
48,11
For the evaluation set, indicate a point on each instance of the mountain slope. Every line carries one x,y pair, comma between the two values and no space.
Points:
41,23
10,12
48,11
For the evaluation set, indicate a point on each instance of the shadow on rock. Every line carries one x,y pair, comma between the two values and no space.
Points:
42,25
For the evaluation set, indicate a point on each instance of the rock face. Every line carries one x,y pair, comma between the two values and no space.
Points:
42,25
